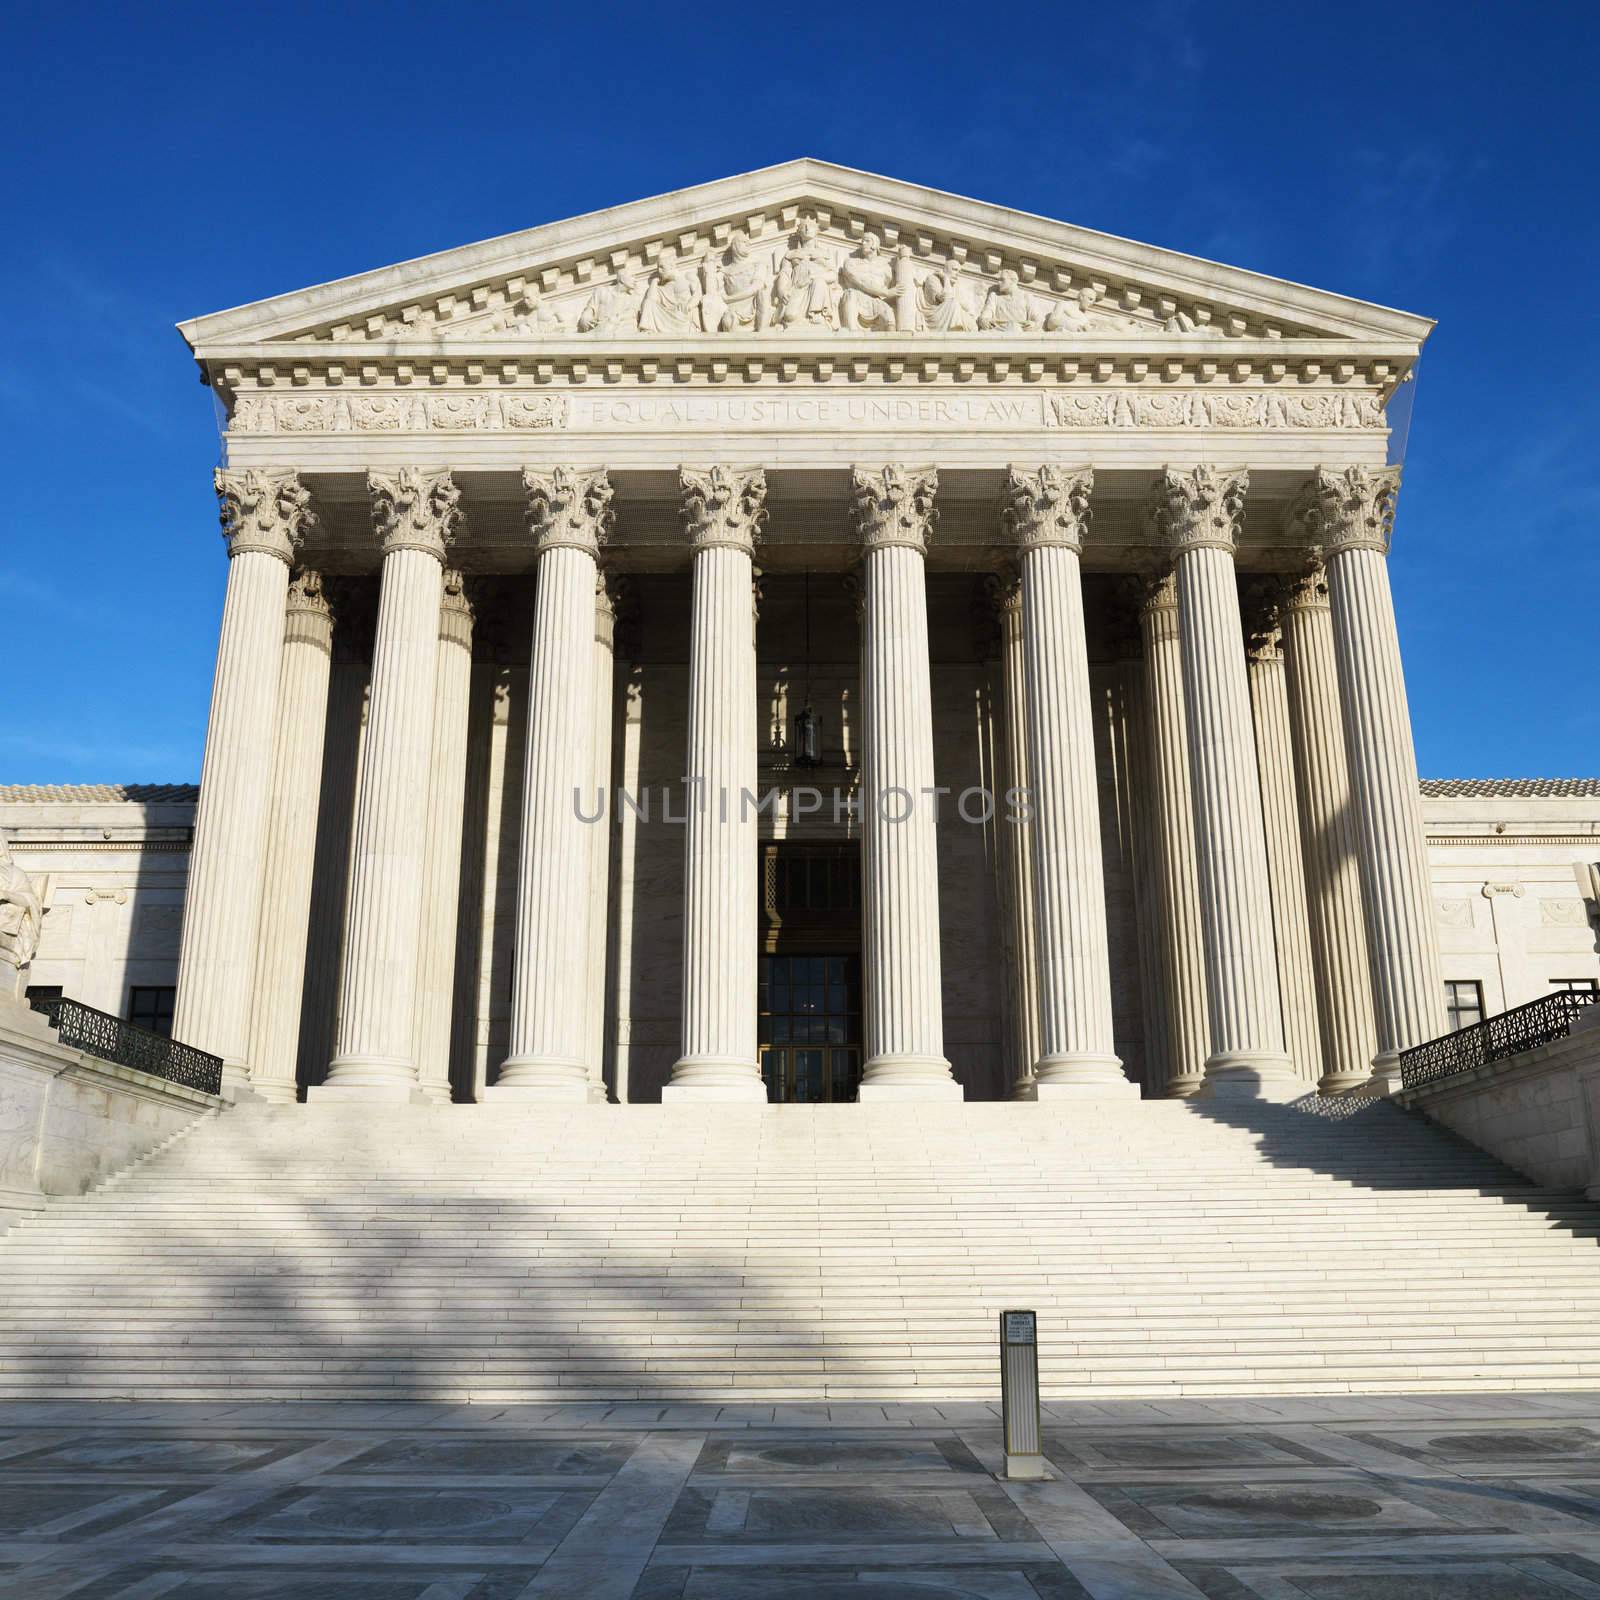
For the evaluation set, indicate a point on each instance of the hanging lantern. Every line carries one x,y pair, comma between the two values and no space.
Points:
806,750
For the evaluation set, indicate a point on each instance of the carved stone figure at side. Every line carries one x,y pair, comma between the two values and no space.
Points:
672,302
941,301
1006,308
21,919
528,313
742,284
868,303
613,307
803,295
1078,315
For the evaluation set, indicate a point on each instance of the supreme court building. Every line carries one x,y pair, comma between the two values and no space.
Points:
808,637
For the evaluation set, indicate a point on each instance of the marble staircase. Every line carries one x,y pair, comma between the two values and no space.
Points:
708,1252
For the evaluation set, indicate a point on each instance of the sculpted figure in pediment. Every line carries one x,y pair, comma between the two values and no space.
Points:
613,307
941,304
1186,322
1078,315
528,313
1006,308
803,295
743,285
870,291
672,302
21,918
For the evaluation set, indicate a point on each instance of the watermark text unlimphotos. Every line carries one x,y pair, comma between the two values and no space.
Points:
976,805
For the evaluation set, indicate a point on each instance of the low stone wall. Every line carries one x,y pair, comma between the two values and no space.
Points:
1538,1112
69,1121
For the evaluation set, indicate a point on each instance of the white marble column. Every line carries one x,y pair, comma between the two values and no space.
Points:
1349,512
1328,829
415,516
600,796
894,512
441,886
1046,513
265,516
1016,839
1291,929
722,511
1198,510
569,517
1183,959
291,840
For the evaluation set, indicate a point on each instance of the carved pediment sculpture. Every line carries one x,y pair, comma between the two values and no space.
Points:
21,920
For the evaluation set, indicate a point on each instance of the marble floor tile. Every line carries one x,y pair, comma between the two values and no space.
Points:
1302,1498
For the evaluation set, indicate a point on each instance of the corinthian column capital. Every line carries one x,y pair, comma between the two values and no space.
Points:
455,609
1199,508
415,509
306,593
1047,507
1346,508
569,508
723,508
270,512
894,506
1158,592
1307,590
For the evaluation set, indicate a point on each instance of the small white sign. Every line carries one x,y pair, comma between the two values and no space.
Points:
1019,1327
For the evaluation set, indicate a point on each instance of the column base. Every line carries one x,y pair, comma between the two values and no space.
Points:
552,1091
273,1091
1081,1077
1385,1079
908,1078
389,1079
1022,1089
545,1080
715,1078
1185,1086
1342,1082
1236,1076
435,1093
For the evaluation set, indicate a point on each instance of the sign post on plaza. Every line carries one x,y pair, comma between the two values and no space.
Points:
1019,1394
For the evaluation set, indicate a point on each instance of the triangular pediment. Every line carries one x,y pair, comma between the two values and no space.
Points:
805,250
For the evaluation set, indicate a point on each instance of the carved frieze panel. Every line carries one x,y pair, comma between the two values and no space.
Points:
1198,409
398,413
606,408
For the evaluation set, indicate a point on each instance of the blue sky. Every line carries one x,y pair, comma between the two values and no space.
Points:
176,159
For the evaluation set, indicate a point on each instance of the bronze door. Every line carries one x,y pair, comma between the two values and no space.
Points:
810,1022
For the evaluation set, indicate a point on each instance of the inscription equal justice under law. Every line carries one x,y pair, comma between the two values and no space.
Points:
807,411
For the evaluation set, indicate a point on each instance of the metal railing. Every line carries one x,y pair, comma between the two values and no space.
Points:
98,1033
1507,1034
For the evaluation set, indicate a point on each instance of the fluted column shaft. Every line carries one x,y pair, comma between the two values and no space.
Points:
904,1013
569,515
1328,829
291,841
441,890
264,518
415,516
723,511
1016,840
1350,513
1297,988
1047,512
599,796
1200,510
1183,961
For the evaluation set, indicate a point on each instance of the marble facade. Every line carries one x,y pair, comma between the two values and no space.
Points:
994,503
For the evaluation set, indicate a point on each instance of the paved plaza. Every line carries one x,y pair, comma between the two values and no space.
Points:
1470,1497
